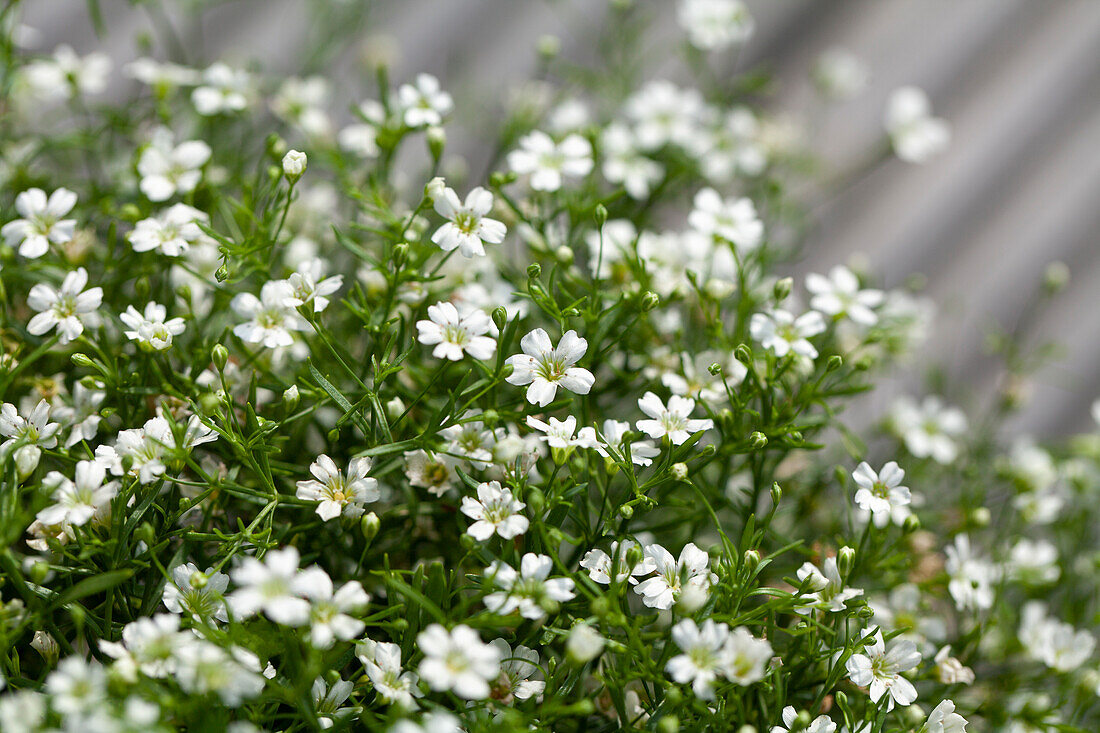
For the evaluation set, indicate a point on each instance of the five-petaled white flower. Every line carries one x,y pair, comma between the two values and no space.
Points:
271,320
152,330
495,511
457,660
673,420
517,666
820,724
547,162
167,169
77,500
704,658
879,669
68,308
41,221
782,333
338,493
274,586
545,367
454,334
424,103
330,609
642,452
201,595
224,89
916,135
530,590
673,574
826,587
712,25
382,661
839,294
748,657
930,428
880,493
732,220
560,433
468,229
172,231
599,564
310,286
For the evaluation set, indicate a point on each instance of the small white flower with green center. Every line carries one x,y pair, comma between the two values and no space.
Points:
68,309
944,719
880,493
530,590
167,169
929,429
548,163
732,220
782,333
673,574
310,286
642,452
820,724
198,594
545,368
27,436
223,90
517,666
271,321
713,25
705,655
673,420
839,295
747,657
599,564
457,660
879,669
468,229
424,104
172,231
454,334
826,587
559,434
77,501
204,668
330,610
338,493
152,330
149,645
76,686
916,135
274,586
41,221
495,511
382,661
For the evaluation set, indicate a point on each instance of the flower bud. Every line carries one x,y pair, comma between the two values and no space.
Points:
369,526
395,408
673,696
434,188
782,289
747,729
845,558
26,460
276,146
548,47
626,511
82,360
46,645
600,606
1056,277
38,572
743,354
534,270
294,165
835,362
777,493
500,317
718,288
219,355
291,397
752,560
911,525
222,273
679,471
437,140
692,598
650,300
536,500
758,440
715,369
400,255
980,517
198,579
500,179
583,644
668,724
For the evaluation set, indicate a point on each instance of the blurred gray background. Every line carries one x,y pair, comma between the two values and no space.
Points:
1019,81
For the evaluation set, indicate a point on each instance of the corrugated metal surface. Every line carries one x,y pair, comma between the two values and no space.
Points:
1018,79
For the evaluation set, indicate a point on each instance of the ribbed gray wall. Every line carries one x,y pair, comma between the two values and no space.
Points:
1018,79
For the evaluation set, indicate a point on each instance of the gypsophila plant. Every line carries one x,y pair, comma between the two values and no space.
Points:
308,423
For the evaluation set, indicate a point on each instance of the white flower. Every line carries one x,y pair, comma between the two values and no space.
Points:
27,436
782,333
915,134
691,568
673,420
149,645
517,666
271,320
746,657
457,660
382,661
559,433
642,452
424,104
530,590
76,686
624,162
77,501
820,724
704,658
172,231
328,702
549,163
204,668
545,367
716,24
1054,643
160,75
662,113
971,578
731,220
880,493
302,102
83,415
150,329
66,74
223,90
200,595
840,74
929,429
950,671
495,511
308,285
880,670
274,586
69,309
294,164
455,334
598,564
584,643
41,221
167,169
361,138
839,295
337,493
944,719
826,586
468,228
436,473
1034,562
329,610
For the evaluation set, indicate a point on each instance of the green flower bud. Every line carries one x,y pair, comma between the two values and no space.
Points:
534,270
835,362
500,179
679,471
219,355
400,255
845,558
536,500
500,317
650,300
369,526
626,511
911,525
222,273
82,360
758,440
777,493
782,289
668,724
548,47
1056,277
600,215
743,354
395,408
715,369
673,696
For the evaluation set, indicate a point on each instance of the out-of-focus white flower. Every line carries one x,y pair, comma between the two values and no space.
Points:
779,331
944,719
529,590
624,162
68,309
424,103
917,136
928,429
223,90
950,671
716,24
839,294
1054,643
457,660
663,589
732,220
840,74
548,163
167,169
704,657
972,577
271,320
173,231
382,661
